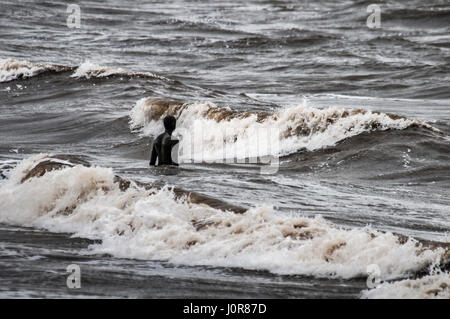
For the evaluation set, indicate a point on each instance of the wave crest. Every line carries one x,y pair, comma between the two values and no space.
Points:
135,222
11,69
91,70
435,286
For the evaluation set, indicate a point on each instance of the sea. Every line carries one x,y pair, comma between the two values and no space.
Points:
322,128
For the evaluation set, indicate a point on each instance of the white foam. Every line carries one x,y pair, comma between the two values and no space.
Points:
89,69
11,69
154,225
435,286
288,130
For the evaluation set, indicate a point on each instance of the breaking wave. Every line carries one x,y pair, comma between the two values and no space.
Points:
11,69
209,131
152,223
435,286
91,70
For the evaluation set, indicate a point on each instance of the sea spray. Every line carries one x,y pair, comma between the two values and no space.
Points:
152,224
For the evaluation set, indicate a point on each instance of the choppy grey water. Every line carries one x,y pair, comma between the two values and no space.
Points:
80,91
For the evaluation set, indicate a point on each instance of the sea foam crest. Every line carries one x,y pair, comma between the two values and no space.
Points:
435,286
89,70
154,225
215,130
11,69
